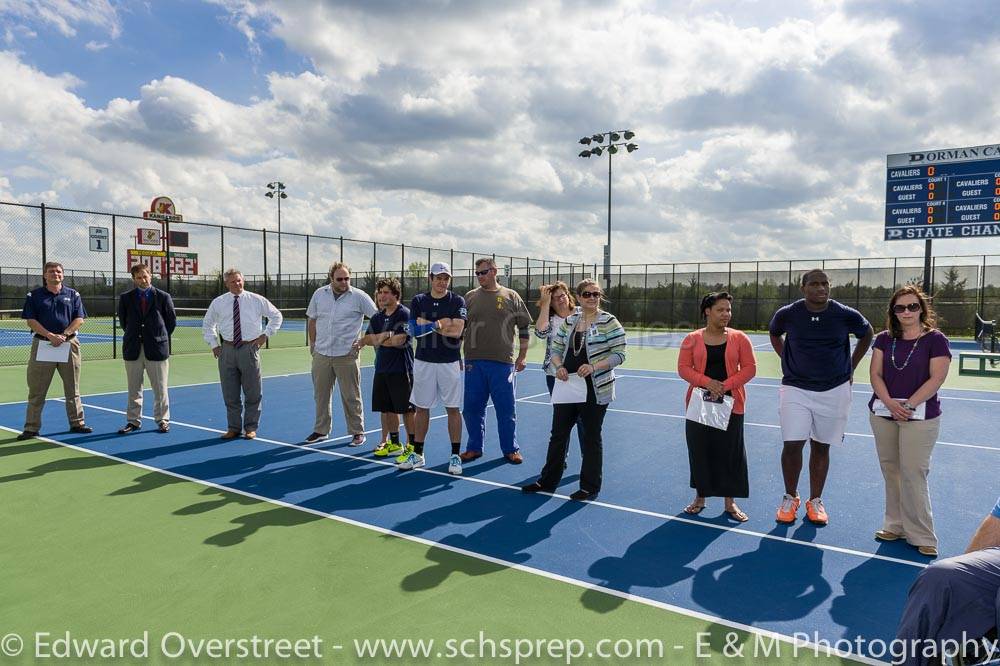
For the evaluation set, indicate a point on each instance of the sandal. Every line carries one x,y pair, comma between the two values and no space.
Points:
886,535
737,514
929,551
694,509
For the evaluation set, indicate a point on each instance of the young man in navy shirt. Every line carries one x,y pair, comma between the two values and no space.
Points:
812,337
388,333
55,313
437,321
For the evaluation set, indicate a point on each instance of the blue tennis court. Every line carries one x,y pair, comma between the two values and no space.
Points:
666,339
19,338
832,583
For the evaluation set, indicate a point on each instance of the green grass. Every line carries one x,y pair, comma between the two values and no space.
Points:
103,549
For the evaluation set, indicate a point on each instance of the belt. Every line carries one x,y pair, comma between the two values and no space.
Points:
42,337
233,344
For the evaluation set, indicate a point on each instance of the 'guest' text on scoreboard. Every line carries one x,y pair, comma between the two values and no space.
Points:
952,193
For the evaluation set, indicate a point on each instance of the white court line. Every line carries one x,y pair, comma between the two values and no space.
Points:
497,484
824,649
766,425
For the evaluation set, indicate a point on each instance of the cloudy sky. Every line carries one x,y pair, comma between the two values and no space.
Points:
763,126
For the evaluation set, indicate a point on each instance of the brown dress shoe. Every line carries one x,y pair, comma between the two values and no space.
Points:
469,456
514,458
250,434
230,434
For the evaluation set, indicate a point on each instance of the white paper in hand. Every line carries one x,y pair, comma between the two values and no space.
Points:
571,391
46,352
919,414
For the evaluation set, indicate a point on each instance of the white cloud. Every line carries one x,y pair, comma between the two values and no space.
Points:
95,46
762,129
66,15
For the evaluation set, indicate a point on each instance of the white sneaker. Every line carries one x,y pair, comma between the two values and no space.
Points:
358,440
455,465
413,461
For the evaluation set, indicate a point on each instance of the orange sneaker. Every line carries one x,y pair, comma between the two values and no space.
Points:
789,507
815,511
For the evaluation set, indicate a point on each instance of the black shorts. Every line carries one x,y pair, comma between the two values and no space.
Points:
391,392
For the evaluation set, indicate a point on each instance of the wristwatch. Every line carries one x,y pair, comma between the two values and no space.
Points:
906,403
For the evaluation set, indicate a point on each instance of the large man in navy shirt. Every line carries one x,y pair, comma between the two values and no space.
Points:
813,338
55,313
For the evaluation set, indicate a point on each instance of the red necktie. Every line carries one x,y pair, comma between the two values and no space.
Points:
143,302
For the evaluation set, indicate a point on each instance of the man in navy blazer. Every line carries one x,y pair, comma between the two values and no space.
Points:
147,318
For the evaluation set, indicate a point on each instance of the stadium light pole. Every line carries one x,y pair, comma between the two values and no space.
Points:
276,190
609,142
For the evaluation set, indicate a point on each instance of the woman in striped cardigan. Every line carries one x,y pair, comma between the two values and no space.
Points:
590,343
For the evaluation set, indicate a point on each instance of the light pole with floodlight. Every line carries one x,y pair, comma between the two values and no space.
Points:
614,142
276,190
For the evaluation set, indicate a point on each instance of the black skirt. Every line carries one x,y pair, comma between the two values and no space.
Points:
718,459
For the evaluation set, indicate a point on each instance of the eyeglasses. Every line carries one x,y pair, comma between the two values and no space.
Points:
590,294
345,279
484,272
912,307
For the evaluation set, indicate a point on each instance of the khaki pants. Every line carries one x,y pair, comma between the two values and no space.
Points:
40,378
904,452
326,371
157,372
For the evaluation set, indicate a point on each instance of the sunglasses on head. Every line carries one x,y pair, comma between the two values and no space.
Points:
912,307
483,272
590,294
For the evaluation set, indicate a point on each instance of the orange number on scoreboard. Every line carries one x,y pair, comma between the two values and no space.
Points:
930,171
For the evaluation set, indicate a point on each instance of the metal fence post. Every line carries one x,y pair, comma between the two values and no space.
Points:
267,341
44,255
114,284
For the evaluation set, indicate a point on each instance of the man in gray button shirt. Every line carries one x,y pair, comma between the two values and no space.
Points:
336,315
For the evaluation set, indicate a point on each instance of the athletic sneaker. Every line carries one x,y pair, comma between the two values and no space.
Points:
412,461
388,448
358,440
789,507
401,458
816,512
455,465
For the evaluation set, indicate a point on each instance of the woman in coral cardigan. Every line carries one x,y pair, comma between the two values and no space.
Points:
720,360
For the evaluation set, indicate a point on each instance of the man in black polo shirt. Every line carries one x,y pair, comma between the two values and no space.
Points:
54,313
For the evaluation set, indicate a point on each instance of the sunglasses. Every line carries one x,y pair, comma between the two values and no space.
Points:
483,272
346,279
912,307
590,294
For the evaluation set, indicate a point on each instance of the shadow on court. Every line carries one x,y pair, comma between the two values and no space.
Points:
873,596
775,582
658,559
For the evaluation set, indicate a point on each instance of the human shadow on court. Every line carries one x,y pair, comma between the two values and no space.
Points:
659,559
252,523
76,463
778,581
507,532
221,499
873,596
31,447
147,482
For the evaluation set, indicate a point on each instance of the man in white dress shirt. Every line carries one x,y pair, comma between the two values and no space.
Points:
336,315
236,317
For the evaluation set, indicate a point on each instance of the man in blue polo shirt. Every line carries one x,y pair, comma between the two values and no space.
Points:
437,321
54,313
813,338
955,602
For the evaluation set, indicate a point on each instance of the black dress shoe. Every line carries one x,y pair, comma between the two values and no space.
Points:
315,437
27,434
127,428
583,495
82,429
535,488
163,426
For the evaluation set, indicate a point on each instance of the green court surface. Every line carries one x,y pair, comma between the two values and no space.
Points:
101,549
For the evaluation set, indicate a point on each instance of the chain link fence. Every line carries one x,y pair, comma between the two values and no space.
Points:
288,268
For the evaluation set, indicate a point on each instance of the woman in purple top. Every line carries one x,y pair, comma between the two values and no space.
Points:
909,363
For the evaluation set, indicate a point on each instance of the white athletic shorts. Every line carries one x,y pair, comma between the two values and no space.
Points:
817,415
437,380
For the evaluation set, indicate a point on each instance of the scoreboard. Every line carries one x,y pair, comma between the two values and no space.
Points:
953,193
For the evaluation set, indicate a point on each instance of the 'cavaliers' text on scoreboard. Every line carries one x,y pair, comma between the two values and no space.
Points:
952,193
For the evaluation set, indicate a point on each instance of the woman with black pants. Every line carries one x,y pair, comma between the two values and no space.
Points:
590,344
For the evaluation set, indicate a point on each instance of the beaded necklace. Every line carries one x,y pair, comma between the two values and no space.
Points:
892,353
